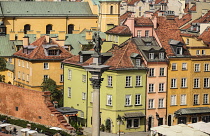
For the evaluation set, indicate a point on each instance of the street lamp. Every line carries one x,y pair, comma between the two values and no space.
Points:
120,120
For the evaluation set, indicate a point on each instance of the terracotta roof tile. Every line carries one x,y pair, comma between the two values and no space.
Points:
125,16
119,30
186,10
166,31
186,18
202,19
120,57
161,1
193,8
132,2
205,36
39,51
143,21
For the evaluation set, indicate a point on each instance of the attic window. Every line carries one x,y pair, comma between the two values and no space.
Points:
80,58
138,62
179,50
53,52
151,55
161,55
148,43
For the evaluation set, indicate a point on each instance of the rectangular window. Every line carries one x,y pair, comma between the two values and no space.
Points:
203,52
138,62
206,67
84,78
187,41
83,96
184,82
160,103
61,65
69,92
183,99
161,55
151,55
109,100
27,77
46,65
184,66
197,68
196,83
110,81
127,100
173,83
27,65
46,77
197,52
151,72
23,76
161,87
151,103
174,66
139,33
128,81
162,72
206,83
61,78
151,87
179,50
19,74
23,63
69,74
173,99
133,123
196,99
147,33
138,80
10,60
205,98
19,63
138,99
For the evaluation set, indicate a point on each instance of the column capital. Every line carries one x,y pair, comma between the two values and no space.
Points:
96,83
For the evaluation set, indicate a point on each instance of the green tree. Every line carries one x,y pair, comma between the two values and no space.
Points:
56,94
2,64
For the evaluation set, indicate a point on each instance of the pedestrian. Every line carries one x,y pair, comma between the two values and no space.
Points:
10,130
14,130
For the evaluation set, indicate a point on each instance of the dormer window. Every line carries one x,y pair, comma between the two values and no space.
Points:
80,58
179,50
151,55
161,55
148,43
53,52
138,62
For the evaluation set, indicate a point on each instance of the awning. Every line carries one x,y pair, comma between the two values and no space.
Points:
67,110
134,114
195,110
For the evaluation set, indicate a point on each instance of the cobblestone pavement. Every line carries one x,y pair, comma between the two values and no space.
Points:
87,131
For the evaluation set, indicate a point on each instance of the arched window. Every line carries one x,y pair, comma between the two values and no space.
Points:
48,28
70,28
26,28
111,10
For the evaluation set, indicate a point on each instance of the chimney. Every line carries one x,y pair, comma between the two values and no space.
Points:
47,38
25,41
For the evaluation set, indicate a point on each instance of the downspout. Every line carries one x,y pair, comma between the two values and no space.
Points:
145,127
66,25
166,122
87,100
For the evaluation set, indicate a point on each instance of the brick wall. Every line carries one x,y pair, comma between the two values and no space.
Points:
32,106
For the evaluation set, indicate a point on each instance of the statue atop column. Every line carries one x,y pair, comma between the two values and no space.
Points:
97,41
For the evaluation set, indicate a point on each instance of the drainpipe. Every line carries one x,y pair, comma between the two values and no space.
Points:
87,99
145,127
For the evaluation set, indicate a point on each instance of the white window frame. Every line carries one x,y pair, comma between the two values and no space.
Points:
138,80
23,76
205,98
69,92
18,74
61,65
151,103
203,52
83,96
27,77
183,82
138,62
127,100
151,56
195,99
19,63
173,83
132,123
184,66
206,67
46,77
173,99
197,52
147,33
109,82
173,66
151,72
161,87
196,83
138,33
161,55
151,88
46,65
128,82
161,103
109,100
84,78
27,64
183,99
69,74
138,99
179,50
162,72
206,82
61,78
197,67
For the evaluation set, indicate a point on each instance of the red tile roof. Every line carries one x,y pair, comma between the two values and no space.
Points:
132,2
205,36
186,10
124,16
119,30
186,18
39,52
120,58
202,19
193,8
166,31
143,21
161,1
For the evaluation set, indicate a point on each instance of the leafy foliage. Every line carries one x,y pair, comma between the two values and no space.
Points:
2,64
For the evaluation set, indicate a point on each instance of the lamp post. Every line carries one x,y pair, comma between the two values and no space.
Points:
120,120
96,70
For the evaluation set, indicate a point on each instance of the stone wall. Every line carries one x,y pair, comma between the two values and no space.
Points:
30,105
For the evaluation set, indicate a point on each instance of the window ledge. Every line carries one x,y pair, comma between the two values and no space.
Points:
196,88
173,105
206,87
161,91
162,108
152,76
139,86
173,88
151,108
128,86
151,92
138,105
206,104
174,70
206,71
184,69
162,76
183,104
128,105
109,86
184,87
109,105
197,71
195,104
69,97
